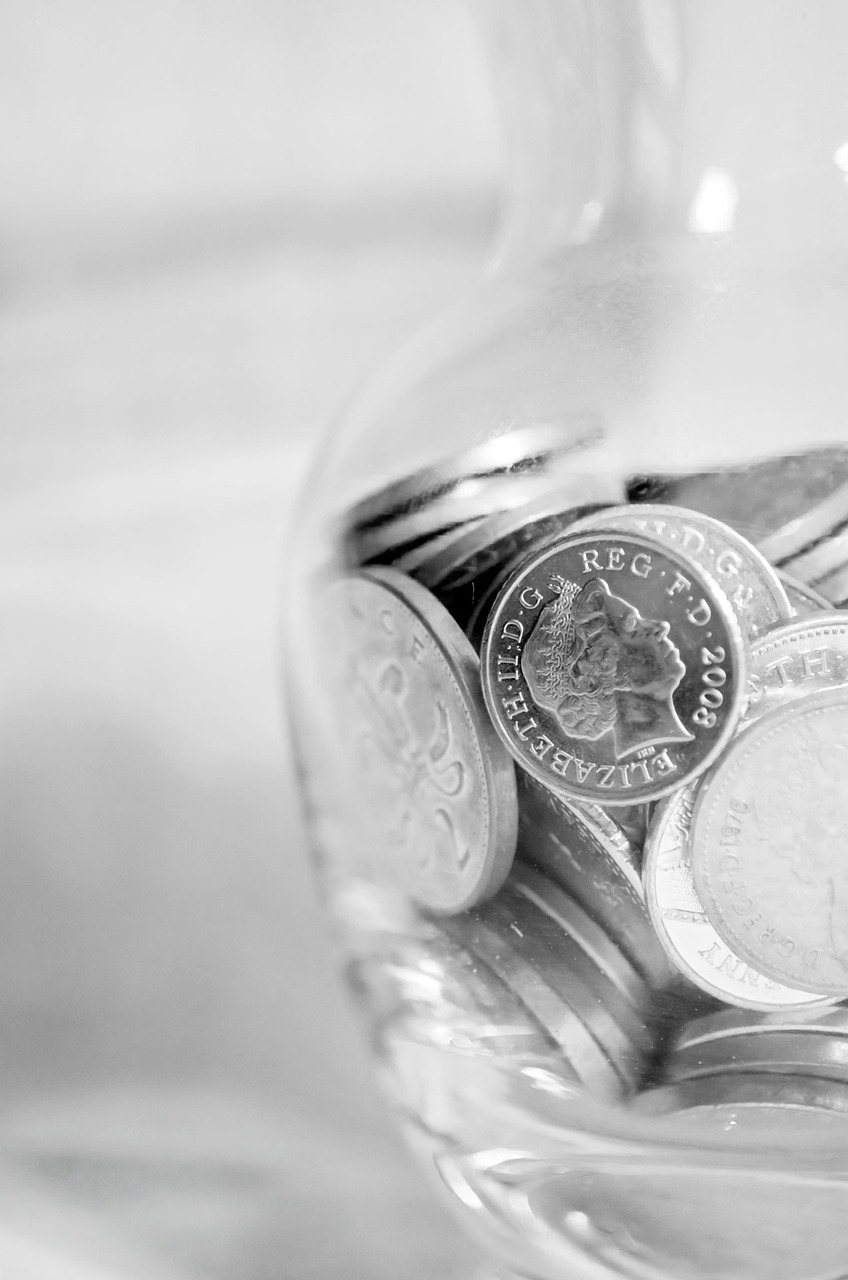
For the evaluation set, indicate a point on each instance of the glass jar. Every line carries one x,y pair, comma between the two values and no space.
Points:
668,303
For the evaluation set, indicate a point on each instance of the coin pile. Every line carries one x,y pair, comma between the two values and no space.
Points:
603,744
742,1067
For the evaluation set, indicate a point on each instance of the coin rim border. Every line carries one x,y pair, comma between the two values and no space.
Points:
498,768
729,619
755,728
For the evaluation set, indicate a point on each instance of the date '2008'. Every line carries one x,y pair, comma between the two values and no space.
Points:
713,678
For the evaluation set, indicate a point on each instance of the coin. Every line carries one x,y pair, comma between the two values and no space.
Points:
438,980
768,836
613,667
824,558
470,499
750,1102
592,860
493,1018
634,821
828,1020
613,1022
835,587
522,451
780,1052
781,503
572,920
750,583
432,775
808,655
495,944
683,927
815,522
468,554
803,599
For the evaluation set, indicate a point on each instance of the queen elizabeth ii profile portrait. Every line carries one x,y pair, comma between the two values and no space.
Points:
594,661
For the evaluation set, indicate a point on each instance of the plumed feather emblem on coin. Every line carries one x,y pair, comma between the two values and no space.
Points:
433,785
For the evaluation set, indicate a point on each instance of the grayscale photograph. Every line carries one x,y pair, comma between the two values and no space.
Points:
424,645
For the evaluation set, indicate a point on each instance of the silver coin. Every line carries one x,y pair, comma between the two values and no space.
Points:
820,561
566,968
835,587
439,981
750,583
523,451
593,861
568,916
767,839
634,820
771,501
809,655
780,1052
810,526
683,927
470,499
432,776
419,552
462,557
827,1020
751,1102
613,667
495,944
465,994
802,598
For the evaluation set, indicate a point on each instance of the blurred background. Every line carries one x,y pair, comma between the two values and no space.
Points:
215,221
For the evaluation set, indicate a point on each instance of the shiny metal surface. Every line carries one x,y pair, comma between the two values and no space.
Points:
613,667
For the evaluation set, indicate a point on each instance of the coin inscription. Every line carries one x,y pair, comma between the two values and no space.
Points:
807,655
752,586
613,667
768,844
433,777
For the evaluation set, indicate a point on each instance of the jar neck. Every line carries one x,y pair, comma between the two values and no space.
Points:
644,118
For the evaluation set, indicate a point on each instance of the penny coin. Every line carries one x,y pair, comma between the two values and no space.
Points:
768,840
781,1052
573,921
587,855
829,1020
750,583
567,969
613,667
808,655
495,944
523,451
802,598
683,927
432,775
750,1103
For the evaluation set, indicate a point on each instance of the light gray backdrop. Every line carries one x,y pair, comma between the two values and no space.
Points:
215,218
